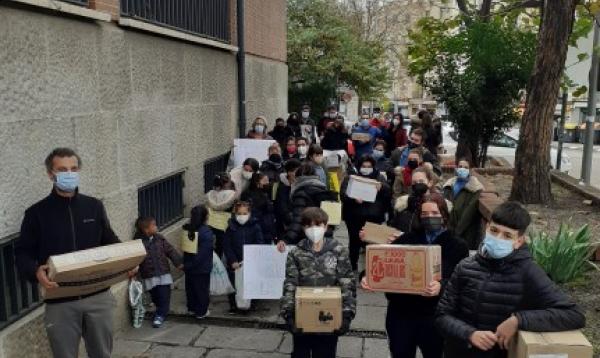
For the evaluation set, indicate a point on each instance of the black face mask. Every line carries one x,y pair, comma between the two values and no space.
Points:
275,158
432,224
412,145
419,189
413,164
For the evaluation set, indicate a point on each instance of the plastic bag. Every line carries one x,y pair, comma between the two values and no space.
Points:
219,281
241,303
136,301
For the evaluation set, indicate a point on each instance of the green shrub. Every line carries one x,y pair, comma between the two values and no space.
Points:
564,257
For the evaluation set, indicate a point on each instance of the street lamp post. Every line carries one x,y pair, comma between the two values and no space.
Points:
588,149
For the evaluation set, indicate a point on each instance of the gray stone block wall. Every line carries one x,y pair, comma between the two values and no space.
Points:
134,105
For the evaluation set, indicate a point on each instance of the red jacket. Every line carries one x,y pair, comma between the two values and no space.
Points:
401,138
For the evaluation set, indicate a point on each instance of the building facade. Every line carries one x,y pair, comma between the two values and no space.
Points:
148,96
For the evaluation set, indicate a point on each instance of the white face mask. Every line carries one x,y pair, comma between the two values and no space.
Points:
315,233
396,122
247,175
259,128
302,150
242,219
366,171
305,114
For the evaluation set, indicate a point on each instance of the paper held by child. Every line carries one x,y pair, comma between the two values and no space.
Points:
334,212
378,234
364,189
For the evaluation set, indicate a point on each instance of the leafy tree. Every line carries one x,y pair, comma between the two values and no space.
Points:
477,71
325,52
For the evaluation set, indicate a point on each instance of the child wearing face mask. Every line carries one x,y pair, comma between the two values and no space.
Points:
273,166
317,261
289,150
499,291
302,148
259,129
463,191
315,158
241,176
259,195
243,229
410,318
365,146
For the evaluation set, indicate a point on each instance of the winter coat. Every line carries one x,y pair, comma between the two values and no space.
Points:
221,200
254,135
465,219
202,261
433,138
159,252
335,140
405,208
365,148
366,211
58,225
329,267
283,205
295,130
484,292
281,134
241,184
271,170
320,172
400,138
384,165
236,236
399,157
306,192
454,250
262,210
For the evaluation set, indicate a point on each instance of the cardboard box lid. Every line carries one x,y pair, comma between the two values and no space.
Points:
378,234
108,253
568,338
318,292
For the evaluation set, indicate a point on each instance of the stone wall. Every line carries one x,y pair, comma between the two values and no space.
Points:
134,105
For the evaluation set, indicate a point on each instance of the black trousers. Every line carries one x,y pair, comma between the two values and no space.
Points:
197,292
161,297
314,346
219,235
406,334
231,296
354,227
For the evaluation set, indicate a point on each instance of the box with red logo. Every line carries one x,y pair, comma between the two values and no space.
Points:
403,268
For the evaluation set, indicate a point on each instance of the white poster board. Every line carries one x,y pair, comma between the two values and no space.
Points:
250,148
264,271
362,188
334,158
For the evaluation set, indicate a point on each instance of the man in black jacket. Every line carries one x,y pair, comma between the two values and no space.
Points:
499,291
64,222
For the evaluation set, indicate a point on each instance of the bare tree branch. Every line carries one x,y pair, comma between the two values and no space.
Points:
462,6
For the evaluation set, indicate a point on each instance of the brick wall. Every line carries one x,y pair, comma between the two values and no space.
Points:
266,29
109,6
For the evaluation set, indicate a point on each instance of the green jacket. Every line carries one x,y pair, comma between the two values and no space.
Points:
465,220
329,267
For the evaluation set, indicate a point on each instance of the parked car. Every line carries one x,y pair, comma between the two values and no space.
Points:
505,146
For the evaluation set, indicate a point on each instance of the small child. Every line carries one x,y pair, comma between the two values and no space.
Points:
155,270
198,266
244,229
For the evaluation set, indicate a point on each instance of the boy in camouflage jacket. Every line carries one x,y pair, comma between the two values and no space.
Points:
318,261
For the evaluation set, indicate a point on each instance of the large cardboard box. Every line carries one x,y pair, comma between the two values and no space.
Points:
361,137
378,234
403,268
569,344
318,309
362,188
87,271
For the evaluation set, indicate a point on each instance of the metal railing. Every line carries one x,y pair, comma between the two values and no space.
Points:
207,18
17,296
163,200
78,2
213,167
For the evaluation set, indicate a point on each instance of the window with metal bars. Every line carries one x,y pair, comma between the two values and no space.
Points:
207,18
17,296
212,167
163,200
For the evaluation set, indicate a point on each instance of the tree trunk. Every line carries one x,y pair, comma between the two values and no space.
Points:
531,183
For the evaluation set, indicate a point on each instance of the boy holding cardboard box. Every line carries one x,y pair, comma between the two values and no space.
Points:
499,291
318,274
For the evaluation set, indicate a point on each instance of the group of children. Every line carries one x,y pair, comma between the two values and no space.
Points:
474,311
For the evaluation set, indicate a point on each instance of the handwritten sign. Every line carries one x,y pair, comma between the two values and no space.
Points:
333,210
264,272
250,148
362,188
218,219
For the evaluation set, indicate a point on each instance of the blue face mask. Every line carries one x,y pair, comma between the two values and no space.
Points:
462,173
67,181
497,248
364,123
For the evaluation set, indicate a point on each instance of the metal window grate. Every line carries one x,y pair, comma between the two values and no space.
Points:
162,199
78,2
17,296
208,18
213,167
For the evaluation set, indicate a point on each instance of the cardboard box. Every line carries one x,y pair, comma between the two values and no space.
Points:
378,234
403,268
333,210
318,309
361,137
569,344
87,271
361,188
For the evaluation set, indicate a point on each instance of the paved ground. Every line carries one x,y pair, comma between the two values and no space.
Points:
258,334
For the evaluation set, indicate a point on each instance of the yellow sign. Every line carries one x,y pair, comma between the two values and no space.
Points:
187,245
218,219
333,210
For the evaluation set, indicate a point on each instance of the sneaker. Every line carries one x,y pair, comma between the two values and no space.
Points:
233,311
158,321
205,315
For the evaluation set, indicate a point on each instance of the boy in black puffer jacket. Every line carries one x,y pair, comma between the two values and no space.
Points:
499,291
